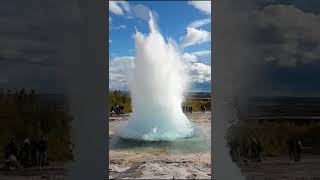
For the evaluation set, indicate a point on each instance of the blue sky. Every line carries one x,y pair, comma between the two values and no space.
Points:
187,22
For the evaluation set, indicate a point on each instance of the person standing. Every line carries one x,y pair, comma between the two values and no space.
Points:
254,149
298,150
43,148
11,148
235,150
117,110
291,149
34,151
259,151
26,153
112,110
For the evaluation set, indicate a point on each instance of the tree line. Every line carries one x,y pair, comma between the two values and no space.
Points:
24,115
121,98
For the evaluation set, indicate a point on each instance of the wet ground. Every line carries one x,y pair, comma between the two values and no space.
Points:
181,159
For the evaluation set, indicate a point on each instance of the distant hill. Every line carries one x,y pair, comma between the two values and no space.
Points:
199,94
189,94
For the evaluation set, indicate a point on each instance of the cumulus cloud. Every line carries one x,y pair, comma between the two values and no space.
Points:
189,58
24,40
119,7
203,56
198,56
204,6
288,35
202,53
124,8
199,23
195,36
119,69
199,72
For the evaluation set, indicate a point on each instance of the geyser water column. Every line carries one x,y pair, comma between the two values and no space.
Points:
157,83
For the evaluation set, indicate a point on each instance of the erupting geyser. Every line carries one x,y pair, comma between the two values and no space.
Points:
157,84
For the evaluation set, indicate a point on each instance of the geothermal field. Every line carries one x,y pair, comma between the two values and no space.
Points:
158,140
181,159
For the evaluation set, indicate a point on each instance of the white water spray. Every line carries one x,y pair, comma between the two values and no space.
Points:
157,84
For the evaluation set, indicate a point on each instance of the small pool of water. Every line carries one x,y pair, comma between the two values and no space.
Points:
201,142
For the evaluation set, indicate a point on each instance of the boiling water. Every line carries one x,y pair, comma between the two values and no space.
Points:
200,142
157,83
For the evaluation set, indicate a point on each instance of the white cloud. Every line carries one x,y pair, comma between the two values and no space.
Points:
119,69
200,23
115,8
203,56
290,35
125,5
120,27
198,71
202,53
204,6
119,7
195,36
189,58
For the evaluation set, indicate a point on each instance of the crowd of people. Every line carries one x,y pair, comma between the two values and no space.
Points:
117,110
31,153
187,109
120,109
253,150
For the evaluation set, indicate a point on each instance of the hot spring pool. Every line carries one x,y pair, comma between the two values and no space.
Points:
200,142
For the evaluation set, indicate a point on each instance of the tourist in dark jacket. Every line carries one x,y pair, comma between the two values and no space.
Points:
42,148
11,149
34,151
112,110
291,149
26,153
298,150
